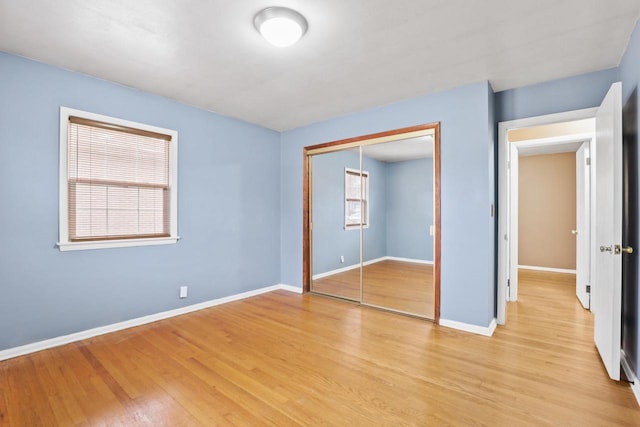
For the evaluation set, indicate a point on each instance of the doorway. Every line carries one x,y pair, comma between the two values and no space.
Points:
552,215
537,135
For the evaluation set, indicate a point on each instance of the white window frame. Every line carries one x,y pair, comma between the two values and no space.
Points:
64,244
366,218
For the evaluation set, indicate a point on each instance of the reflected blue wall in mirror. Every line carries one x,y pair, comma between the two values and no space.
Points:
410,209
330,239
401,210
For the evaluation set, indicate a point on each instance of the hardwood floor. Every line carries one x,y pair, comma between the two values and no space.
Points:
397,285
284,359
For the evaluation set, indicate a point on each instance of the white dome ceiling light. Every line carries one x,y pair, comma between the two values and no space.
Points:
280,26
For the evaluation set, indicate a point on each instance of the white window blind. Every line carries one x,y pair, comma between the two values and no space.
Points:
118,182
356,200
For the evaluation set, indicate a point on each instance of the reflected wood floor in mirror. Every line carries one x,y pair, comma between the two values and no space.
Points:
397,285
283,359
344,285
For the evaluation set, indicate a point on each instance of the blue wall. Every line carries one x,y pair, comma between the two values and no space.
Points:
228,218
410,209
466,183
556,96
630,76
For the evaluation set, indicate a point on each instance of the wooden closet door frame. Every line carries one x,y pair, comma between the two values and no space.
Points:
375,138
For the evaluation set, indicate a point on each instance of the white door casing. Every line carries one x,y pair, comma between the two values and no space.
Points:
582,230
606,257
514,185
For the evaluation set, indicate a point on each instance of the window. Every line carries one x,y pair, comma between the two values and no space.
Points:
118,182
356,199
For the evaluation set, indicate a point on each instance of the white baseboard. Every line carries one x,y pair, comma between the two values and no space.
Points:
549,269
373,261
413,260
487,331
347,268
77,336
294,289
631,376
336,271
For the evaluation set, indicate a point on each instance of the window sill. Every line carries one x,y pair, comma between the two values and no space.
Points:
354,227
80,246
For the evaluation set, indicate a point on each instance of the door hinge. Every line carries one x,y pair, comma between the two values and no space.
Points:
588,161
588,289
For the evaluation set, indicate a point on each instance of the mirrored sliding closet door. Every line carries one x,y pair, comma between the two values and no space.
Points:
373,220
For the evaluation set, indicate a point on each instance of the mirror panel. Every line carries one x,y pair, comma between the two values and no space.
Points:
335,231
398,244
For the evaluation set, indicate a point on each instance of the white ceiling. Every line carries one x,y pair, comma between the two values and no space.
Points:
398,151
357,54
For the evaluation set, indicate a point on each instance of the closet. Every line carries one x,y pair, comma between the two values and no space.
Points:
372,220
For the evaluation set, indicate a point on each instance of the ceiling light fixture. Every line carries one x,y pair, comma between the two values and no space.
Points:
280,26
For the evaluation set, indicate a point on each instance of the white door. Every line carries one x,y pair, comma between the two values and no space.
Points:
582,230
607,273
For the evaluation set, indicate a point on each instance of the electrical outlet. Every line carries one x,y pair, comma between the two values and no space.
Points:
341,258
183,291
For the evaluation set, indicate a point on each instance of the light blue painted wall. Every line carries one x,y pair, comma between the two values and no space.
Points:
467,191
572,93
630,76
410,209
229,210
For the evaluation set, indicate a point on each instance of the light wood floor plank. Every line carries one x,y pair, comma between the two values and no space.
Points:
282,359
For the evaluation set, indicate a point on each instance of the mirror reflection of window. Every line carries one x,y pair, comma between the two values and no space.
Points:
356,198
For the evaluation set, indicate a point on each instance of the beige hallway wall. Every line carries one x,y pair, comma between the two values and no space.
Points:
547,210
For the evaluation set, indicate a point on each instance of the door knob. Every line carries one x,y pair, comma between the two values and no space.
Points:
626,249
605,249
574,232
